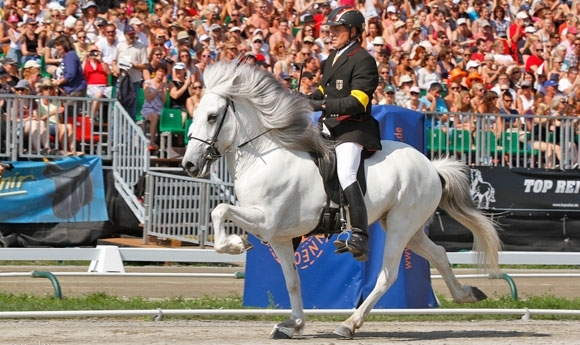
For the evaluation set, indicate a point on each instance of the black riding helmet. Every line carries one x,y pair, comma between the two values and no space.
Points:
349,17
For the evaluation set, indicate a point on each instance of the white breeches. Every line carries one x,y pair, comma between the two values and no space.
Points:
347,162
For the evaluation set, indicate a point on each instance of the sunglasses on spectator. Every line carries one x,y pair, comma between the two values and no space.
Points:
508,100
414,93
197,87
390,93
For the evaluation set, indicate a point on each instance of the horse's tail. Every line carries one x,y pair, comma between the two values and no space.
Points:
456,201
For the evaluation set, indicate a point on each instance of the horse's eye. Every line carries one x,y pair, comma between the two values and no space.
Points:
211,118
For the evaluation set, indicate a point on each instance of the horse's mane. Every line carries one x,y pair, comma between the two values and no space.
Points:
287,115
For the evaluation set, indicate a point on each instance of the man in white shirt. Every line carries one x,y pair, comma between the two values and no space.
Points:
568,84
108,45
134,54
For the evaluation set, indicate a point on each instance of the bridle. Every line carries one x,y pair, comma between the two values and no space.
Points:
212,153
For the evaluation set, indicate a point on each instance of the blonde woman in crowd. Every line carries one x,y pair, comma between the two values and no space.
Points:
204,58
193,100
477,90
284,65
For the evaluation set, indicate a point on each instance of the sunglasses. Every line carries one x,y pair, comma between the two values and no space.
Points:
205,56
508,100
414,93
197,87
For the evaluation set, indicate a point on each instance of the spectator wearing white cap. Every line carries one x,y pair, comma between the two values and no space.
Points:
90,20
390,17
376,44
137,24
516,30
181,88
403,93
463,33
414,103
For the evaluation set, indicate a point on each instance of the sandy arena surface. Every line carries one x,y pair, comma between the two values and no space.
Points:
101,331
511,330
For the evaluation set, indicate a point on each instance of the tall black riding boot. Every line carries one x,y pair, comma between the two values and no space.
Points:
357,244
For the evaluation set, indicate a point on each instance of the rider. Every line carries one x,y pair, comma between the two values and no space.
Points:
349,79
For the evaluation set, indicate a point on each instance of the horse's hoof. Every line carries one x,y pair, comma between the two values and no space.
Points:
247,245
281,333
478,294
344,332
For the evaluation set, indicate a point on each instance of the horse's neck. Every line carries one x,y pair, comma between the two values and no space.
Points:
252,144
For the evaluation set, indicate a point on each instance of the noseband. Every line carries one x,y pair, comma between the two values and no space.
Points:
212,153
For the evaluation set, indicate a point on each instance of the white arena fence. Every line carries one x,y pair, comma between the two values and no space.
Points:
178,207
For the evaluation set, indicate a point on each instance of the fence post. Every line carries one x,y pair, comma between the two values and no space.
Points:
109,260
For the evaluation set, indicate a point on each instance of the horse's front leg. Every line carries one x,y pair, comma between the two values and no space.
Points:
295,325
244,217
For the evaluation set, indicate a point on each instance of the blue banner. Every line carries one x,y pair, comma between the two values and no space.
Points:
65,190
331,281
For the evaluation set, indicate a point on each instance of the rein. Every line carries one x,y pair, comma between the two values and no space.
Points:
212,153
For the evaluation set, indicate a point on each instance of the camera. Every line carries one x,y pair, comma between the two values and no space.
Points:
168,60
94,53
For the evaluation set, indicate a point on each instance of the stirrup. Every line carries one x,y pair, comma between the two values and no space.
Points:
341,245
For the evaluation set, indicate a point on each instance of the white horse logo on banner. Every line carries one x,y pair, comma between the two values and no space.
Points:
482,192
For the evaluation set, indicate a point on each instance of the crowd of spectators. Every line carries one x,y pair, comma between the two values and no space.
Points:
500,56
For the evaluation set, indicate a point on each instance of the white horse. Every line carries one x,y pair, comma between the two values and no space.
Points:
266,134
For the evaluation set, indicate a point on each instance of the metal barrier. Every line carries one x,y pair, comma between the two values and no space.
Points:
527,141
29,126
131,159
179,207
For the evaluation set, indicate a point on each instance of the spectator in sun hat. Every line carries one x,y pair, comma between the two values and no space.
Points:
398,34
472,78
402,95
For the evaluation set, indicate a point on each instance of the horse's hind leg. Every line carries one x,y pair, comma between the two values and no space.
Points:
387,276
436,255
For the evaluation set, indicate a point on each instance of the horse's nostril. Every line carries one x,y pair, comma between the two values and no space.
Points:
188,165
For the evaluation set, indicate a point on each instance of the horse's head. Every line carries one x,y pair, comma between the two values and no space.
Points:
211,134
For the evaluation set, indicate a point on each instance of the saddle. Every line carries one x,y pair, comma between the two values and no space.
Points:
332,219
